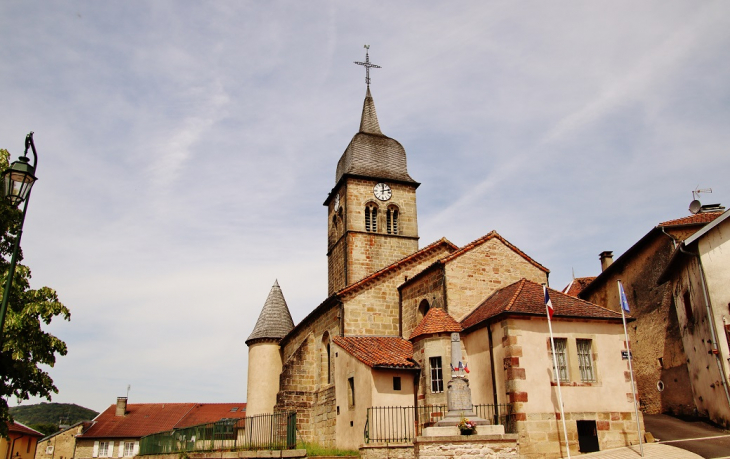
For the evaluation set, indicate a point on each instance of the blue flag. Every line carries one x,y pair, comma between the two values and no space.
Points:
622,297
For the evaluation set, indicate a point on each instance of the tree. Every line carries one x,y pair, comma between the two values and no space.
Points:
25,346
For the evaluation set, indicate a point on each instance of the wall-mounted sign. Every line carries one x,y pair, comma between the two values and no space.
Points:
625,355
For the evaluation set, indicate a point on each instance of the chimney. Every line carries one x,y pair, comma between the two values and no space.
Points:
121,406
606,259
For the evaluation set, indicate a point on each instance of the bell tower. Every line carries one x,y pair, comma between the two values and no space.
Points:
371,211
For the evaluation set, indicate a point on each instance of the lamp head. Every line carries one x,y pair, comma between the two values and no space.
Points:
17,180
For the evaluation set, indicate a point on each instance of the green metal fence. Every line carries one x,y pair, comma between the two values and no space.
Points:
402,424
266,431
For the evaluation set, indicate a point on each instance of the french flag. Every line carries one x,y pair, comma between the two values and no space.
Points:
548,303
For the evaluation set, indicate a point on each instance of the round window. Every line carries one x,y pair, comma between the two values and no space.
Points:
660,385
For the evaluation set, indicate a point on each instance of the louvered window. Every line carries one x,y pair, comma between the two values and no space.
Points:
392,220
561,356
585,360
371,218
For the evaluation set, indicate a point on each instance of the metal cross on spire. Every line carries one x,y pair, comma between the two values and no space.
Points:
367,65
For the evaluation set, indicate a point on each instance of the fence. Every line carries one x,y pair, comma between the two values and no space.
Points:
266,431
397,424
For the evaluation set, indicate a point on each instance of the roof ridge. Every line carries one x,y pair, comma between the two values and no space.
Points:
516,294
572,298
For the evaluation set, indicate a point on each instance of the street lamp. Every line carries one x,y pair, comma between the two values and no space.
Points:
17,181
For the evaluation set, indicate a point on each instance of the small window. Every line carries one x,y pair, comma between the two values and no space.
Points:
686,298
437,375
423,308
396,382
104,449
371,218
561,345
392,220
585,360
129,448
351,392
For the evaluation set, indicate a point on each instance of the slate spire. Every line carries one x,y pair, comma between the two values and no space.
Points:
275,319
369,121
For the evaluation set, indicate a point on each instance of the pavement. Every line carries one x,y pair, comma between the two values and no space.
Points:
651,451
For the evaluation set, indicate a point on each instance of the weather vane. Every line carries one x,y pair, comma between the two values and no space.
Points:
367,65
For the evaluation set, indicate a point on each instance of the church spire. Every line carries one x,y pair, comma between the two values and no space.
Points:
275,319
369,121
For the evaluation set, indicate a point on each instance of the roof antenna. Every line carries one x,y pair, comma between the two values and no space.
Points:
696,206
129,386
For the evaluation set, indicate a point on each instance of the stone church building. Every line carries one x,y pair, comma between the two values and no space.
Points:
383,335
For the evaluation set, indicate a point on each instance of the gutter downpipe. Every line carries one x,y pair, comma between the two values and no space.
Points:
494,380
711,319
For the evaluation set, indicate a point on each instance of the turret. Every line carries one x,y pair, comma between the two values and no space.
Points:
264,354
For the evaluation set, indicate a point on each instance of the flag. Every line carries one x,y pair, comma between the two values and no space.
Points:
548,303
452,367
466,367
622,297
461,367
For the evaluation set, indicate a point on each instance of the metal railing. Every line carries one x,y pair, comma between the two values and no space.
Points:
266,431
399,424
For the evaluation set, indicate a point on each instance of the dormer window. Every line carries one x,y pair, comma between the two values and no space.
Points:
392,220
371,218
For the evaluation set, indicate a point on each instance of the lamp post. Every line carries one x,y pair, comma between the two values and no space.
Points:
17,181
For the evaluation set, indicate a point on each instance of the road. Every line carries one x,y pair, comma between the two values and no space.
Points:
693,435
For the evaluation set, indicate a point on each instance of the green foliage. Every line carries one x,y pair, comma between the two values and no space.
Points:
52,413
25,345
315,449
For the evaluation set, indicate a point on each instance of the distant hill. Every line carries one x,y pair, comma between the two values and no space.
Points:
52,413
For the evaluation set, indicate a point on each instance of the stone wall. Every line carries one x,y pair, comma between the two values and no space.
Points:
427,286
389,451
297,387
63,445
325,417
541,434
472,446
476,274
658,352
375,309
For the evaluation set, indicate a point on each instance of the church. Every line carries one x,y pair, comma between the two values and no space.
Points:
384,335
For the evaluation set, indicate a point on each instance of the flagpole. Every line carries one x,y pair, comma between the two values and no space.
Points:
557,373
622,299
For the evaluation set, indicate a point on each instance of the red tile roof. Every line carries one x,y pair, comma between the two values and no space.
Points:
147,418
492,235
696,219
526,297
16,427
436,321
378,351
577,285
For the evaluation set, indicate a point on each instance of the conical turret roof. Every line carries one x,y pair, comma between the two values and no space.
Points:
371,153
275,319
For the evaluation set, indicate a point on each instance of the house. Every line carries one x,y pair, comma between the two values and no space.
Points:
21,442
117,430
662,379
697,277
62,444
384,335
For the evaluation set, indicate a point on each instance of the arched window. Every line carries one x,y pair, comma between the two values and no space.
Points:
326,361
423,309
392,220
371,218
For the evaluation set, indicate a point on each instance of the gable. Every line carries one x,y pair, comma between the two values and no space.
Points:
481,268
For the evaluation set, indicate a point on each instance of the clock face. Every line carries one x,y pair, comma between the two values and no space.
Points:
382,191
337,203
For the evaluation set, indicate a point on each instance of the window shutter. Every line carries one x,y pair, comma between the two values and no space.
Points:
96,449
136,448
110,451
121,449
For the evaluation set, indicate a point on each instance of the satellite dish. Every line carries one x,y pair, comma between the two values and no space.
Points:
695,206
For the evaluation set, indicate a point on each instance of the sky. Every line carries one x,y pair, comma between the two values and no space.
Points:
185,150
